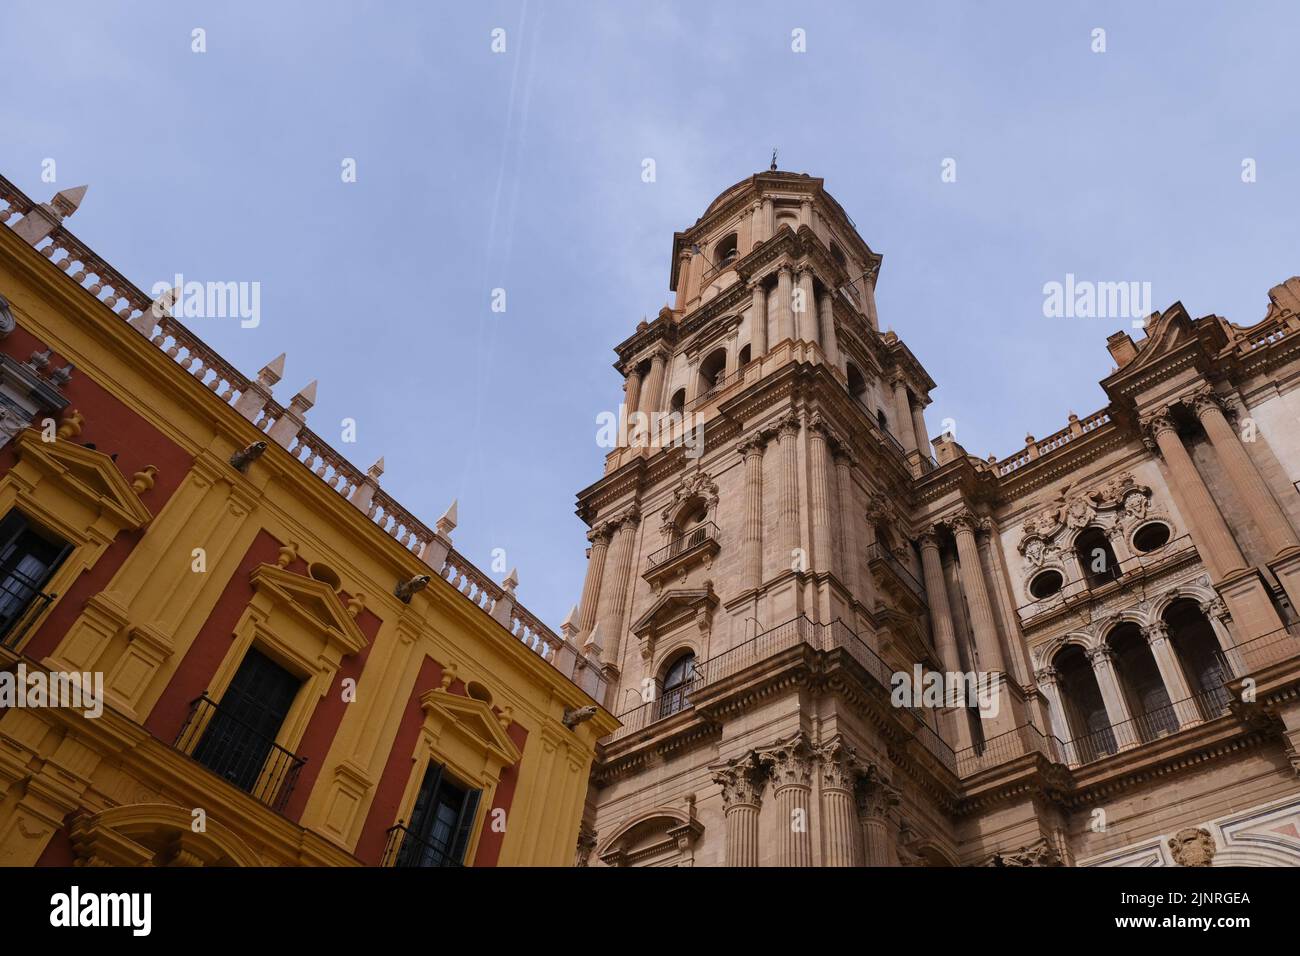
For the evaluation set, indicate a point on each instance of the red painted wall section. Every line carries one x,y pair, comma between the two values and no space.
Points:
212,642
327,716
397,771
489,844
114,429
58,852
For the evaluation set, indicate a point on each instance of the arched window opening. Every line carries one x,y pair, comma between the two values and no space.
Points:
727,251
1096,557
1141,683
1199,655
691,527
712,371
678,401
678,682
744,357
1085,713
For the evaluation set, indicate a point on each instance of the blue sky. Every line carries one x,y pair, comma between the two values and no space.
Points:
522,171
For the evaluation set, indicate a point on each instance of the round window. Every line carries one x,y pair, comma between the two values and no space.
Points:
1046,584
1151,536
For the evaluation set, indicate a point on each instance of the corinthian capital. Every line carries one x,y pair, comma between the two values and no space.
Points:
790,762
788,426
965,520
1047,675
1102,653
602,532
1206,402
741,780
752,444
875,796
929,538
839,765
1158,421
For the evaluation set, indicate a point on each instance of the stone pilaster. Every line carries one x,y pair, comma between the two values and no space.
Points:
1049,683
752,533
830,341
788,490
651,399
758,323
631,393
838,770
790,764
784,314
850,561
1268,516
742,782
820,496
599,538
876,798
903,413
614,600
807,314
987,647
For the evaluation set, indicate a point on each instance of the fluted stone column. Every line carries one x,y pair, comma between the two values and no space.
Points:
903,413
1268,516
820,493
742,783
683,279
788,491
651,398
1210,532
614,600
599,538
1102,659
849,559
875,799
766,218
758,323
784,315
922,434
806,317
632,393
1171,672
830,342
752,534
945,634
838,769
977,597
790,765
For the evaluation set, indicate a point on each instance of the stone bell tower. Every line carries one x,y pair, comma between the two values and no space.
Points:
755,510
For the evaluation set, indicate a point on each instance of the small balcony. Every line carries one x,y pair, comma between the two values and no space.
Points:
405,849
22,603
1146,728
694,545
239,754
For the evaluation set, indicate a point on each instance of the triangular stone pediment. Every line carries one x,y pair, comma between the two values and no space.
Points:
673,604
473,718
313,601
88,473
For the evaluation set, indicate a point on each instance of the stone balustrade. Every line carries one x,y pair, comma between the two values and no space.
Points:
1035,449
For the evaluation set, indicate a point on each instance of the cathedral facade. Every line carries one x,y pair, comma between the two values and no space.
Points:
783,557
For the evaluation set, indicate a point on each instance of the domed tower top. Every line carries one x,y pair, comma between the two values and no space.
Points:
754,210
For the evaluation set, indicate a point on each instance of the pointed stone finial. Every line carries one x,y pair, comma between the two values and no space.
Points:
66,201
569,627
272,371
511,582
377,469
447,523
306,396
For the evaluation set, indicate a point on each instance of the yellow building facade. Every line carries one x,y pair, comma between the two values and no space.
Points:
288,667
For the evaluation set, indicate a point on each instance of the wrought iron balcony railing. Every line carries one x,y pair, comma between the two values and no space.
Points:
1147,727
22,602
687,540
1245,657
238,753
404,848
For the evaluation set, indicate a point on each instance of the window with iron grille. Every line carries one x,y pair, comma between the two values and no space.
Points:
28,558
242,731
442,822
